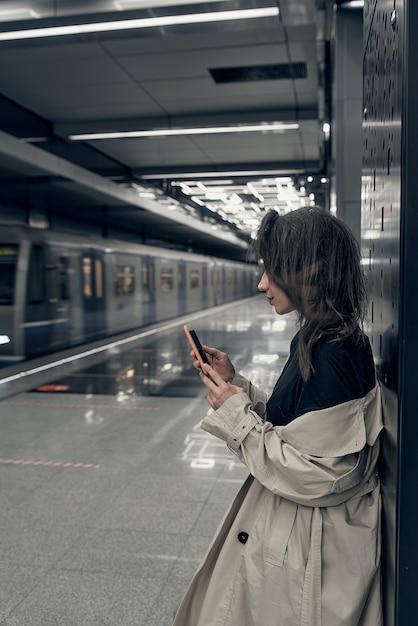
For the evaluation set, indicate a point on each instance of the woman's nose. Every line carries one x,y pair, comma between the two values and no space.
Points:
263,284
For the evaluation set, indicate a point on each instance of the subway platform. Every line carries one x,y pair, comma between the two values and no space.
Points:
110,492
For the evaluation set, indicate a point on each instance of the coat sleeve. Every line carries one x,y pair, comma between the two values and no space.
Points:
314,459
257,396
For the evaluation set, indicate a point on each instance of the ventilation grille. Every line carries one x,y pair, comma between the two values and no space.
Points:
276,71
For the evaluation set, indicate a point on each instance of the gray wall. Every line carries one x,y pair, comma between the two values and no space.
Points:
347,108
390,245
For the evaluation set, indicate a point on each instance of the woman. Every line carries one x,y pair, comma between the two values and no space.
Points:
300,544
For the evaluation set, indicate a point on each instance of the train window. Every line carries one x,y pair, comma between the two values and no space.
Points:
204,276
98,275
148,277
87,278
166,279
8,263
92,284
194,279
36,276
182,276
64,292
124,279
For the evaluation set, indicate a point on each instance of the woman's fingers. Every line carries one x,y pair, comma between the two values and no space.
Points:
218,389
214,377
210,350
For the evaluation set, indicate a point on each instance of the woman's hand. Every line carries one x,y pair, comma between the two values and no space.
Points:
218,389
220,362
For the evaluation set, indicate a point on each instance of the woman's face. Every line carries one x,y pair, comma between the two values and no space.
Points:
275,296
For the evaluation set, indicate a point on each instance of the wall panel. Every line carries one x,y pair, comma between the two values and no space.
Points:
381,223
390,248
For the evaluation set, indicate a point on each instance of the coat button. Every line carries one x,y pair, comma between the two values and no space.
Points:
243,537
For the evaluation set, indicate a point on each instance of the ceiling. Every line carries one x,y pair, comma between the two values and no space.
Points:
205,191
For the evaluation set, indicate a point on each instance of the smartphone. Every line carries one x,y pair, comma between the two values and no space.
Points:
196,345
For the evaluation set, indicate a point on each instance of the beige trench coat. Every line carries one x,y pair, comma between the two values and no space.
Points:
300,544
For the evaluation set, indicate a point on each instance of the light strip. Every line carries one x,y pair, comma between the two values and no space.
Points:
18,14
149,22
192,176
123,5
353,4
173,132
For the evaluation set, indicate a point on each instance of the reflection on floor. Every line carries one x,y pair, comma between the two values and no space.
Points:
110,490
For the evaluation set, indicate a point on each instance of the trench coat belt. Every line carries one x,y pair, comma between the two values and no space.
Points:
311,595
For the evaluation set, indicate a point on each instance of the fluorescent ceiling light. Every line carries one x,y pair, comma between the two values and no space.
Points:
172,132
17,14
353,4
149,22
122,5
230,174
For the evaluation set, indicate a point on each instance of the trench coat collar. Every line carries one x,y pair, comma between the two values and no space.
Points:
339,430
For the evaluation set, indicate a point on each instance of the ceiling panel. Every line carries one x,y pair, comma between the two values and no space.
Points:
209,149
183,64
89,70
119,99
212,101
147,152
227,38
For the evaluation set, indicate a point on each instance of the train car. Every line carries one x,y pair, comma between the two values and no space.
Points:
58,290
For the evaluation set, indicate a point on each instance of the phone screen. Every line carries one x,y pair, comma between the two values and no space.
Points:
196,345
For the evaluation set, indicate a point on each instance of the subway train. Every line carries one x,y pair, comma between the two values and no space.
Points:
58,290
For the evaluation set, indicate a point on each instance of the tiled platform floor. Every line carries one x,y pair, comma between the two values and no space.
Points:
108,501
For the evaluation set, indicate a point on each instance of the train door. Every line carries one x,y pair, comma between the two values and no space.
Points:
9,303
148,291
182,287
93,293
217,272
224,275
205,286
58,296
45,319
236,283
36,318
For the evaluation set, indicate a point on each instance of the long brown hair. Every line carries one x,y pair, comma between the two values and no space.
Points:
313,256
